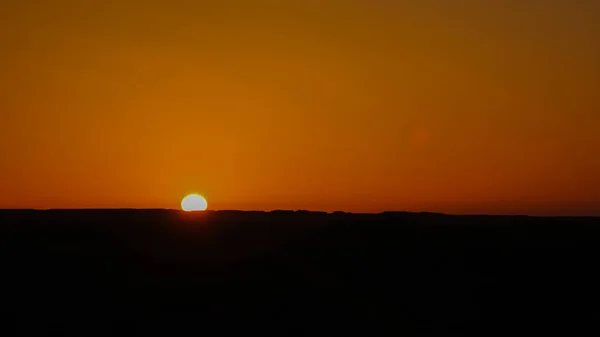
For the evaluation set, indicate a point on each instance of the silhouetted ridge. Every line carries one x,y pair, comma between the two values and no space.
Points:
139,272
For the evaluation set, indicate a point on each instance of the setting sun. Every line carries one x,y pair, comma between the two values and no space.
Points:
194,202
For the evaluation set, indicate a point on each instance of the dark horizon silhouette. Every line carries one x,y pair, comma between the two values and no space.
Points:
297,273
336,212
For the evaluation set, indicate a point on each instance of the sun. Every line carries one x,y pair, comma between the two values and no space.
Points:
194,202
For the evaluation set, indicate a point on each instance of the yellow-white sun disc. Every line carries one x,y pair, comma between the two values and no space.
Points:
194,202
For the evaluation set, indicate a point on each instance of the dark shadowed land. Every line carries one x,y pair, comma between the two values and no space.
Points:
229,273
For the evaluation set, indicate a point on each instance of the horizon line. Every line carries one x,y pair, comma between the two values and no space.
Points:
296,211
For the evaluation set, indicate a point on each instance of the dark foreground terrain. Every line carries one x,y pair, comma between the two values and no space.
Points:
143,272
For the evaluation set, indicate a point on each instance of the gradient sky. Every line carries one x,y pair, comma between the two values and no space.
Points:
452,106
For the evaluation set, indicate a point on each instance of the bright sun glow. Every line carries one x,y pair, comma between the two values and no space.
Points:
194,202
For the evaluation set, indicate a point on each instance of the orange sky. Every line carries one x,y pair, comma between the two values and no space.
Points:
453,106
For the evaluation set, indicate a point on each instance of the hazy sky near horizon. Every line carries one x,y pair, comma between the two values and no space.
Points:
454,106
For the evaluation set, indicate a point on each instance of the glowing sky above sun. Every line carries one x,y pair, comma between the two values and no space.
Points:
435,105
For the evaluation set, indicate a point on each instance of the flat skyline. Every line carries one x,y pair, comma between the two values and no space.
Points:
250,212
360,106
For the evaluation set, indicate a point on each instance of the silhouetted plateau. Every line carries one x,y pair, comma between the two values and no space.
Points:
284,273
